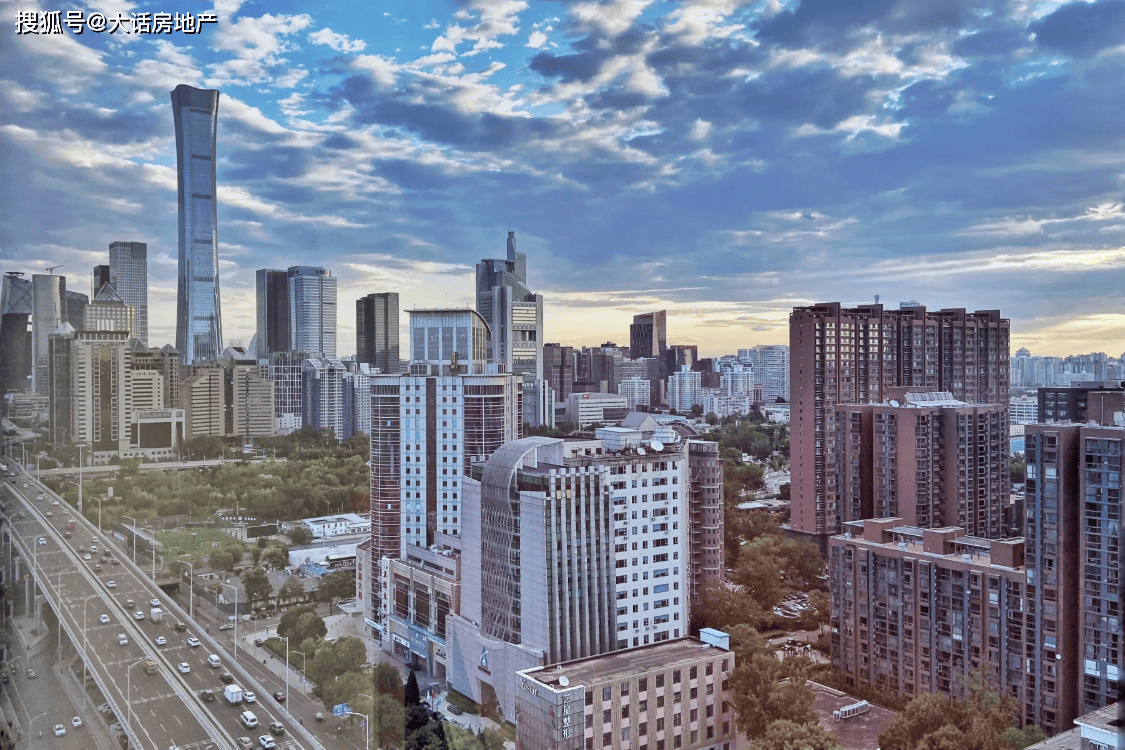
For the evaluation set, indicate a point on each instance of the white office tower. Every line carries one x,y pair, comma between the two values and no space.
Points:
322,394
285,372
637,391
449,342
513,312
128,275
357,400
312,310
48,313
684,389
771,369
738,381
538,403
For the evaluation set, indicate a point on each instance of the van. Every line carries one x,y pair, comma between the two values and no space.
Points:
248,719
213,661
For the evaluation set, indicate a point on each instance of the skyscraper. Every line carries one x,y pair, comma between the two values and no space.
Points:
273,312
48,313
199,328
128,275
376,331
851,356
513,312
648,335
312,310
101,278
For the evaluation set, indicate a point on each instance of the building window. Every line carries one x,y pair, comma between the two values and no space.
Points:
607,693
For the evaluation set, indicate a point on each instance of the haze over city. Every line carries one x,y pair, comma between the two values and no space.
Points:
724,161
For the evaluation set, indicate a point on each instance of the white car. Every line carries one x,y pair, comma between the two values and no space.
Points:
249,697
161,640
138,615
53,502
193,641
154,602
185,667
111,584
39,496
265,742
60,730
103,619
86,556
50,514
76,721
42,541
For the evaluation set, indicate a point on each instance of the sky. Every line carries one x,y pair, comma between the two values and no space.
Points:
723,160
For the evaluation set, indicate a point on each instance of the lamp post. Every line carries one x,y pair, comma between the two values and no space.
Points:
191,586
232,586
302,653
134,537
85,642
31,726
129,695
286,639
80,446
366,726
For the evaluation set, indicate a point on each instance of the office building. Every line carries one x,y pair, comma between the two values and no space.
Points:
165,362
534,589
538,403
737,381
101,278
669,695
684,389
1081,403
420,592
16,306
357,400
449,342
128,275
49,312
376,331
637,392
926,458
75,304
595,408
1023,410
1074,510
199,329
770,365
89,390
648,336
322,394
918,610
844,355
231,396
312,310
722,406
558,369
272,335
706,514
285,372
108,312
513,312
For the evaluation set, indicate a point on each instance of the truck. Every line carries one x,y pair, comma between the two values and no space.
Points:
233,694
156,613
150,666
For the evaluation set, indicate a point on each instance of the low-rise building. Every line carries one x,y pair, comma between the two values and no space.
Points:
419,592
590,408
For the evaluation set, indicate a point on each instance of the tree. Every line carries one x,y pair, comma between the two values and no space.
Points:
722,607
411,695
936,722
255,555
386,681
712,418
1018,739
785,735
388,719
759,570
257,584
262,543
334,659
301,623
223,558
337,585
757,691
277,556
293,588
299,535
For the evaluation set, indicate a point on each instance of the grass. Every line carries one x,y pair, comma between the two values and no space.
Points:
198,546
464,702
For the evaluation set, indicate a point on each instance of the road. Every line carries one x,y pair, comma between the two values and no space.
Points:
106,597
156,466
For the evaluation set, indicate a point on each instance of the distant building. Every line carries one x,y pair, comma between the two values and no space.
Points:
312,310
231,396
376,331
101,278
770,365
1023,410
558,369
684,389
49,300
128,275
108,312
322,395
341,524
1081,403
514,314
286,374
273,335
16,307
538,403
357,400
590,408
706,517
448,342
89,390
637,392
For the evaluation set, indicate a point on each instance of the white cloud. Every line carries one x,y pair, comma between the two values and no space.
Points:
536,40
338,42
252,116
496,18
700,129
382,69
611,18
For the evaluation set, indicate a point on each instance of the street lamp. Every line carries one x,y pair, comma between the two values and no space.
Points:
134,537
191,585
302,653
129,695
366,726
80,446
232,586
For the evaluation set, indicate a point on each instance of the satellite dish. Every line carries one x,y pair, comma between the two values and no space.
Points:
640,451
894,403
564,680
656,445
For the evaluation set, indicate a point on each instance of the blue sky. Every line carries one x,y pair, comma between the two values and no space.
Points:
720,159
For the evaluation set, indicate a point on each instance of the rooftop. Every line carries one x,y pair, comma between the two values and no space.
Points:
633,661
860,732
1109,719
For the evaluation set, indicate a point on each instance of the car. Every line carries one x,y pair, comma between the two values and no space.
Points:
39,496
98,568
227,678
105,708
259,642
455,709
184,667
53,502
60,730
66,512
111,584
86,557
154,602
122,639
42,541
277,728
193,642
179,627
94,549
227,626
161,640
103,619
25,486
115,561
76,721
245,743
279,696
49,513
207,695
265,742
248,697
66,534
138,615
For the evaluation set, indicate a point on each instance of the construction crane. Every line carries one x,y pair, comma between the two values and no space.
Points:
51,269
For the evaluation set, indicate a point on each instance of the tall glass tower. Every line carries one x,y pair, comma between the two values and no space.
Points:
199,329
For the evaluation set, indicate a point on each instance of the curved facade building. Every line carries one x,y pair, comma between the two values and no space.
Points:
199,330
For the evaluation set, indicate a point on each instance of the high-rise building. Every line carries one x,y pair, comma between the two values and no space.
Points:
108,312
89,390
851,356
75,303
538,403
1023,410
737,381
16,308
448,342
376,331
357,400
648,335
558,369
684,389
49,300
637,392
707,522
199,329
514,314
101,278
322,394
128,275
273,312
770,364
918,610
285,372
230,396
1074,571
312,310
926,458
1094,402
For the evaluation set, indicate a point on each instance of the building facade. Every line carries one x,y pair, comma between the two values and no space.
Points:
844,355
108,312
513,313
272,286
593,408
1094,402
449,342
770,364
286,374
128,275
49,300
637,392
420,592
706,513
1023,410
312,310
199,328
558,369
377,331
322,394
684,389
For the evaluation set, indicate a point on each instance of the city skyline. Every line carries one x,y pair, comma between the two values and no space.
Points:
397,150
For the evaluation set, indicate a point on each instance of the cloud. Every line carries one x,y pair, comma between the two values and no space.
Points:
1082,29
338,42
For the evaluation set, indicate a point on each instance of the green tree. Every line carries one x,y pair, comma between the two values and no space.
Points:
334,659
411,694
222,558
785,735
292,589
255,555
936,722
386,681
257,584
712,418
1018,739
262,543
759,695
388,719
722,607
301,623
277,556
299,535
760,570
310,625
336,585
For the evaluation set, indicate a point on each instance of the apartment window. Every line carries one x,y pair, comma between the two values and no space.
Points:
607,739
607,716
642,685
624,712
660,701
676,677
607,693
693,673
660,680
625,688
